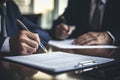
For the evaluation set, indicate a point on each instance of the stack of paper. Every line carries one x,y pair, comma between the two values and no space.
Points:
67,44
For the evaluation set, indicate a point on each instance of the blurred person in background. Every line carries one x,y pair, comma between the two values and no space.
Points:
96,22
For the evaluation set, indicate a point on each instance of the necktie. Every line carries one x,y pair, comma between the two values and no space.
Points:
95,22
3,21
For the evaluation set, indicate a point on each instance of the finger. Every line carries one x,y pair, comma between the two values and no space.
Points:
86,37
101,36
63,37
62,31
92,42
64,27
30,42
29,38
37,38
82,39
26,49
33,36
59,30
70,30
83,42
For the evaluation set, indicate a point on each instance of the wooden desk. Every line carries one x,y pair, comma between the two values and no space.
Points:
12,71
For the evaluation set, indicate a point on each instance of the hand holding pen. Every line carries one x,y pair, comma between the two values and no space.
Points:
63,30
34,41
24,43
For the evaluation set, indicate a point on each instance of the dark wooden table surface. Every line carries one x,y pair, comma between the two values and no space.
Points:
12,71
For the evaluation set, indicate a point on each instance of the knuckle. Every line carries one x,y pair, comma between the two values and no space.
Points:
22,31
89,32
36,45
22,52
22,40
22,46
33,50
21,37
37,35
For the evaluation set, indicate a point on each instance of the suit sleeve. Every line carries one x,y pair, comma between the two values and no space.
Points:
44,36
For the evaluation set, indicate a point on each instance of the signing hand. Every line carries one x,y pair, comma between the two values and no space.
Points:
93,38
25,42
63,31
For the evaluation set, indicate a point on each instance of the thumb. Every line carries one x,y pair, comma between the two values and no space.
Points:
70,30
37,38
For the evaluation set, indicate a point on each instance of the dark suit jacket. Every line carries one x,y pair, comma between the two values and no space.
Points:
77,13
13,28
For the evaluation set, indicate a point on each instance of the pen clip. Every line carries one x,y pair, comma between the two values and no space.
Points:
85,63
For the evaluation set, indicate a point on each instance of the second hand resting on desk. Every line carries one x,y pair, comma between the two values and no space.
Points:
24,27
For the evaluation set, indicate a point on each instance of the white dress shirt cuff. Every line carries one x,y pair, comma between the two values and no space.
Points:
113,38
5,46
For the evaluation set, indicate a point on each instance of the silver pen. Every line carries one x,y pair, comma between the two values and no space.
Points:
24,27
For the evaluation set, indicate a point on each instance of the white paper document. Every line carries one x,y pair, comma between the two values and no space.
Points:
67,44
57,62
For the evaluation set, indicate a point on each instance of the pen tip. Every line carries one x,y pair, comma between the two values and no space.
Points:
46,51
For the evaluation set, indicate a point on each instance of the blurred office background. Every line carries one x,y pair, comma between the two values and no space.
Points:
45,10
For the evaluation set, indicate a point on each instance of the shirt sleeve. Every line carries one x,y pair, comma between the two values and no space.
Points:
5,46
